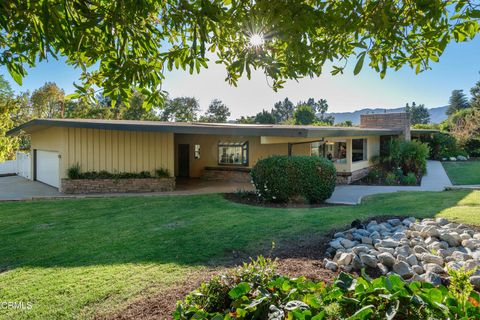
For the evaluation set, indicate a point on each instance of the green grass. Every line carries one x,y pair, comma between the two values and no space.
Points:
78,258
463,172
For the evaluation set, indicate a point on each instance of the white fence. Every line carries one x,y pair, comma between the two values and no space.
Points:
20,166
8,167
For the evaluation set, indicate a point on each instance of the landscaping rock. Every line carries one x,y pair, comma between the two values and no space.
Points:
462,158
347,243
369,260
403,269
416,250
330,265
475,281
452,238
433,278
430,258
386,259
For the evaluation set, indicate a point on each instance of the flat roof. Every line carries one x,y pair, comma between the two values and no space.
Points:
207,128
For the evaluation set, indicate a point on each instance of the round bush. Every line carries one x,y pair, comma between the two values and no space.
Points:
282,178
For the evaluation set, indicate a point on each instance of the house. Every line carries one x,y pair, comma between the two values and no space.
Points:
210,151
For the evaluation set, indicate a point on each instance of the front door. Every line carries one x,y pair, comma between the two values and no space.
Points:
184,160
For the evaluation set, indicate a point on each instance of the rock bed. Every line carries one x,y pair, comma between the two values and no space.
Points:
416,250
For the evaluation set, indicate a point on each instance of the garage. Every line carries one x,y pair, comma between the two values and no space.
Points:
47,167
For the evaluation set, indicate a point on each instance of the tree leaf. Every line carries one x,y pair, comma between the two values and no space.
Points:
359,65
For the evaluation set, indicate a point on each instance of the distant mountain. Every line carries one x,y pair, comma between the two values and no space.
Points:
437,115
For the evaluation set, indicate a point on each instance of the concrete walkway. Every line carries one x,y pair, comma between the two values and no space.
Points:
436,179
18,188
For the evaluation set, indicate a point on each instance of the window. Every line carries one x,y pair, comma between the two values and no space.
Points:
335,151
233,153
197,152
359,150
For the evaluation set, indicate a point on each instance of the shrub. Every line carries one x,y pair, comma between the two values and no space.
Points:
410,179
74,171
391,179
410,156
374,175
256,291
162,173
472,147
443,146
283,178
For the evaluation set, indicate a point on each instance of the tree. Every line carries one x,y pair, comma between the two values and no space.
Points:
8,108
123,45
457,101
304,115
320,108
246,120
264,117
418,114
48,101
283,110
183,109
217,112
475,92
346,123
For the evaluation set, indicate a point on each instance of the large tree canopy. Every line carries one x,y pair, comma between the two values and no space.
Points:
124,46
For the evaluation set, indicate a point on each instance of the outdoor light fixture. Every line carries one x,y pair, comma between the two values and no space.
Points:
256,40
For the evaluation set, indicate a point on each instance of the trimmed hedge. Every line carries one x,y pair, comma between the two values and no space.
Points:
283,178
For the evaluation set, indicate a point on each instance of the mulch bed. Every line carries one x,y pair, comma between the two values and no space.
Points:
253,200
304,257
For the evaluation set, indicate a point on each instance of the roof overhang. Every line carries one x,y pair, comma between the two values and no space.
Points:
203,128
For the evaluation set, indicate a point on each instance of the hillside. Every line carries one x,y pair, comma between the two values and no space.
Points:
437,114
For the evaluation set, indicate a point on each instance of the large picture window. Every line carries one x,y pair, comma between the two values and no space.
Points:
335,151
233,153
359,150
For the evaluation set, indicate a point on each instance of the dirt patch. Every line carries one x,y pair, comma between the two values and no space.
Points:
163,304
252,199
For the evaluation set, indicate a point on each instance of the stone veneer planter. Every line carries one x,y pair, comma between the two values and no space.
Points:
88,186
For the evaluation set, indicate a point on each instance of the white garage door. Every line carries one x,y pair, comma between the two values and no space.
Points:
47,167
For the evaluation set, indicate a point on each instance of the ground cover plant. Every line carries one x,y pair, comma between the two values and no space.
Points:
80,258
463,172
257,291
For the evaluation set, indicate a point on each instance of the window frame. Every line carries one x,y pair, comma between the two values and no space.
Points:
245,149
364,150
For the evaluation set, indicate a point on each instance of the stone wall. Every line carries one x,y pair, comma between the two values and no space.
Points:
88,186
349,177
400,121
227,174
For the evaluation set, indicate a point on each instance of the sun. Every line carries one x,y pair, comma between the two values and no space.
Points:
256,40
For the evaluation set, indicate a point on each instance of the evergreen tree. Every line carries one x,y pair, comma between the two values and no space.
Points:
283,110
304,115
457,101
418,114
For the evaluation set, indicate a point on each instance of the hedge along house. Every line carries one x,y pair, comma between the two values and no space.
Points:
201,150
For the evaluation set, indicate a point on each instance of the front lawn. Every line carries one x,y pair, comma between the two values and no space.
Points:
85,257
463,172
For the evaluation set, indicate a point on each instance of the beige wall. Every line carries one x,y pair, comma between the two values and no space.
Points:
209,150
111,150
257,150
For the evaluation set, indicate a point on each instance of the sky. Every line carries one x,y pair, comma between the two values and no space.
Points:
458,68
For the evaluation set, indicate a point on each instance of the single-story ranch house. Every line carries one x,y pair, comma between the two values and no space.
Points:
210,151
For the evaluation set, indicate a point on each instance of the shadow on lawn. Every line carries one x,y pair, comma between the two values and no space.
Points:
194,230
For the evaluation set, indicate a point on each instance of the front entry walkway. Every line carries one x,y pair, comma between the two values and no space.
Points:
436,179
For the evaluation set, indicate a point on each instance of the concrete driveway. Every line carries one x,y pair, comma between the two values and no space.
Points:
18,188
